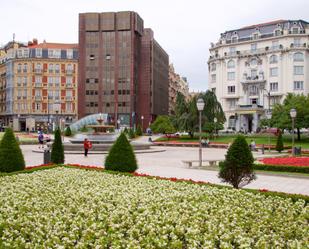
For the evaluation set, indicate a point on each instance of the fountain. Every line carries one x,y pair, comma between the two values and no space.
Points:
102,137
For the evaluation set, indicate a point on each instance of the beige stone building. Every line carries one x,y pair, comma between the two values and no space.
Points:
252,68
38,85
176,84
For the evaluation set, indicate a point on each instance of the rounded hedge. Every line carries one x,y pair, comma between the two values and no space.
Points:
121,156
11,157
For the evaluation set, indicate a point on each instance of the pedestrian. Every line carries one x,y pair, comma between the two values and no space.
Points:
252,145
41,140
87,146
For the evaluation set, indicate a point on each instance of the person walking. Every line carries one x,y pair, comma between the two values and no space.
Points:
41,140
87,146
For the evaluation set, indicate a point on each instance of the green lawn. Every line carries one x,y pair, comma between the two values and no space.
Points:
259,139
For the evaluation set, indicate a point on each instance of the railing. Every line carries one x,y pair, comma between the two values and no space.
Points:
38,97
69,85
252,106
38,70
68,98
38,85
69,71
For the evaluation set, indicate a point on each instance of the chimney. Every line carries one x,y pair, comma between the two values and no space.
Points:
35,41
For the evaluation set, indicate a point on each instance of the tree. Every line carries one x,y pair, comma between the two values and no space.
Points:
279,145
131,133
57,153
121,156
139,131
162,124
11,157
237,169
68,132
281,113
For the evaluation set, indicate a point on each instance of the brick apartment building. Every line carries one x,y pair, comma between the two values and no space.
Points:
123,71
38,84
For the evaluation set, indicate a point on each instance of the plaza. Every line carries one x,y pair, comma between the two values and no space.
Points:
168,163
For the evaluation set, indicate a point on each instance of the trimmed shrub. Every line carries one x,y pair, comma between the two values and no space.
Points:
68,132
282,168
131,133
279,145
125,131
121,156
57,153
139,131
237,169
11,157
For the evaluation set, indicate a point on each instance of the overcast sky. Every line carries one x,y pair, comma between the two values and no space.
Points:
183,28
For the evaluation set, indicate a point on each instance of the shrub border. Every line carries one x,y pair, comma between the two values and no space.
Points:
265,192
281,168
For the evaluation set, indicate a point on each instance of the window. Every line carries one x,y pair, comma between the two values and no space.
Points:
232,51
231,64
54,53
50,94
213,67
68,106
69,53
254,101
19,81
69,67
57,68
253,62
255,36
38,79
298,56
213,78
57,81
253,47
25,69
57,94
275,45
298,70
273,59
231,89
277,32
50,107
253,90
213,90
25,81
298,85
68,93
26,53
273,71
51,68
37,106
69,80
37,93
234,39
232,103
50,81
25,93
231,76
19,68
232,122
297,42
38,52
254,75
273,86
295,30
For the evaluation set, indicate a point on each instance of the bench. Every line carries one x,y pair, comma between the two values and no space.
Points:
210,163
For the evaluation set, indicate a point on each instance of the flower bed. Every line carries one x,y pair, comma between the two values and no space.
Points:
290,161
66,207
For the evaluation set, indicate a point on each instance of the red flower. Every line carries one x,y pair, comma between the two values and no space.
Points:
289,161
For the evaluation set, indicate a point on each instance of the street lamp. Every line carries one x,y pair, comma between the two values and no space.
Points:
215,122
293,114
200,107
57,107
268,116
142,118
118,122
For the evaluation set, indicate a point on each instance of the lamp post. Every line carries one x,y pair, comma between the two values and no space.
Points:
293,114
268,116
142,118
200,107
215,123
57,107
118,124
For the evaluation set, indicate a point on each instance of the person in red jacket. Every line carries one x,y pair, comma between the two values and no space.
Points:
87,146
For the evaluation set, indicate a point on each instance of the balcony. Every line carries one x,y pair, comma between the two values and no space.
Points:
38,85
38,71
249,109
69,85
68,98
38,98
253,79
69,71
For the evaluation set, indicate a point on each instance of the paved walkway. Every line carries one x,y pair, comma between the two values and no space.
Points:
169,164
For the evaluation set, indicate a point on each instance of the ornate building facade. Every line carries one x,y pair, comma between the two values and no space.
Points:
252,68
38,85
176,84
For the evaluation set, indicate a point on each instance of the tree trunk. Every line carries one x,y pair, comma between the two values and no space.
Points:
298,134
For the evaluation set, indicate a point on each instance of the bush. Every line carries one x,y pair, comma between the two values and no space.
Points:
162,124
279,145
11,157
139,131
83,129
121,156
237,169
68,132
57,153
282,168
131,133
125,131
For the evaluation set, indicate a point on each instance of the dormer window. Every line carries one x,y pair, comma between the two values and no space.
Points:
234,39
278,32
295,30
255,36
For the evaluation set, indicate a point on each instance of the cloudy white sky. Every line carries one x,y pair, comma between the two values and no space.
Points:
183,28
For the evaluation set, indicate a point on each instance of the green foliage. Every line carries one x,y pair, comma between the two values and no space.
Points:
68,132
11,157
125,131
279,145
139,131
237,169
57,153
121,156
282,168
162,124
131,134
83,129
